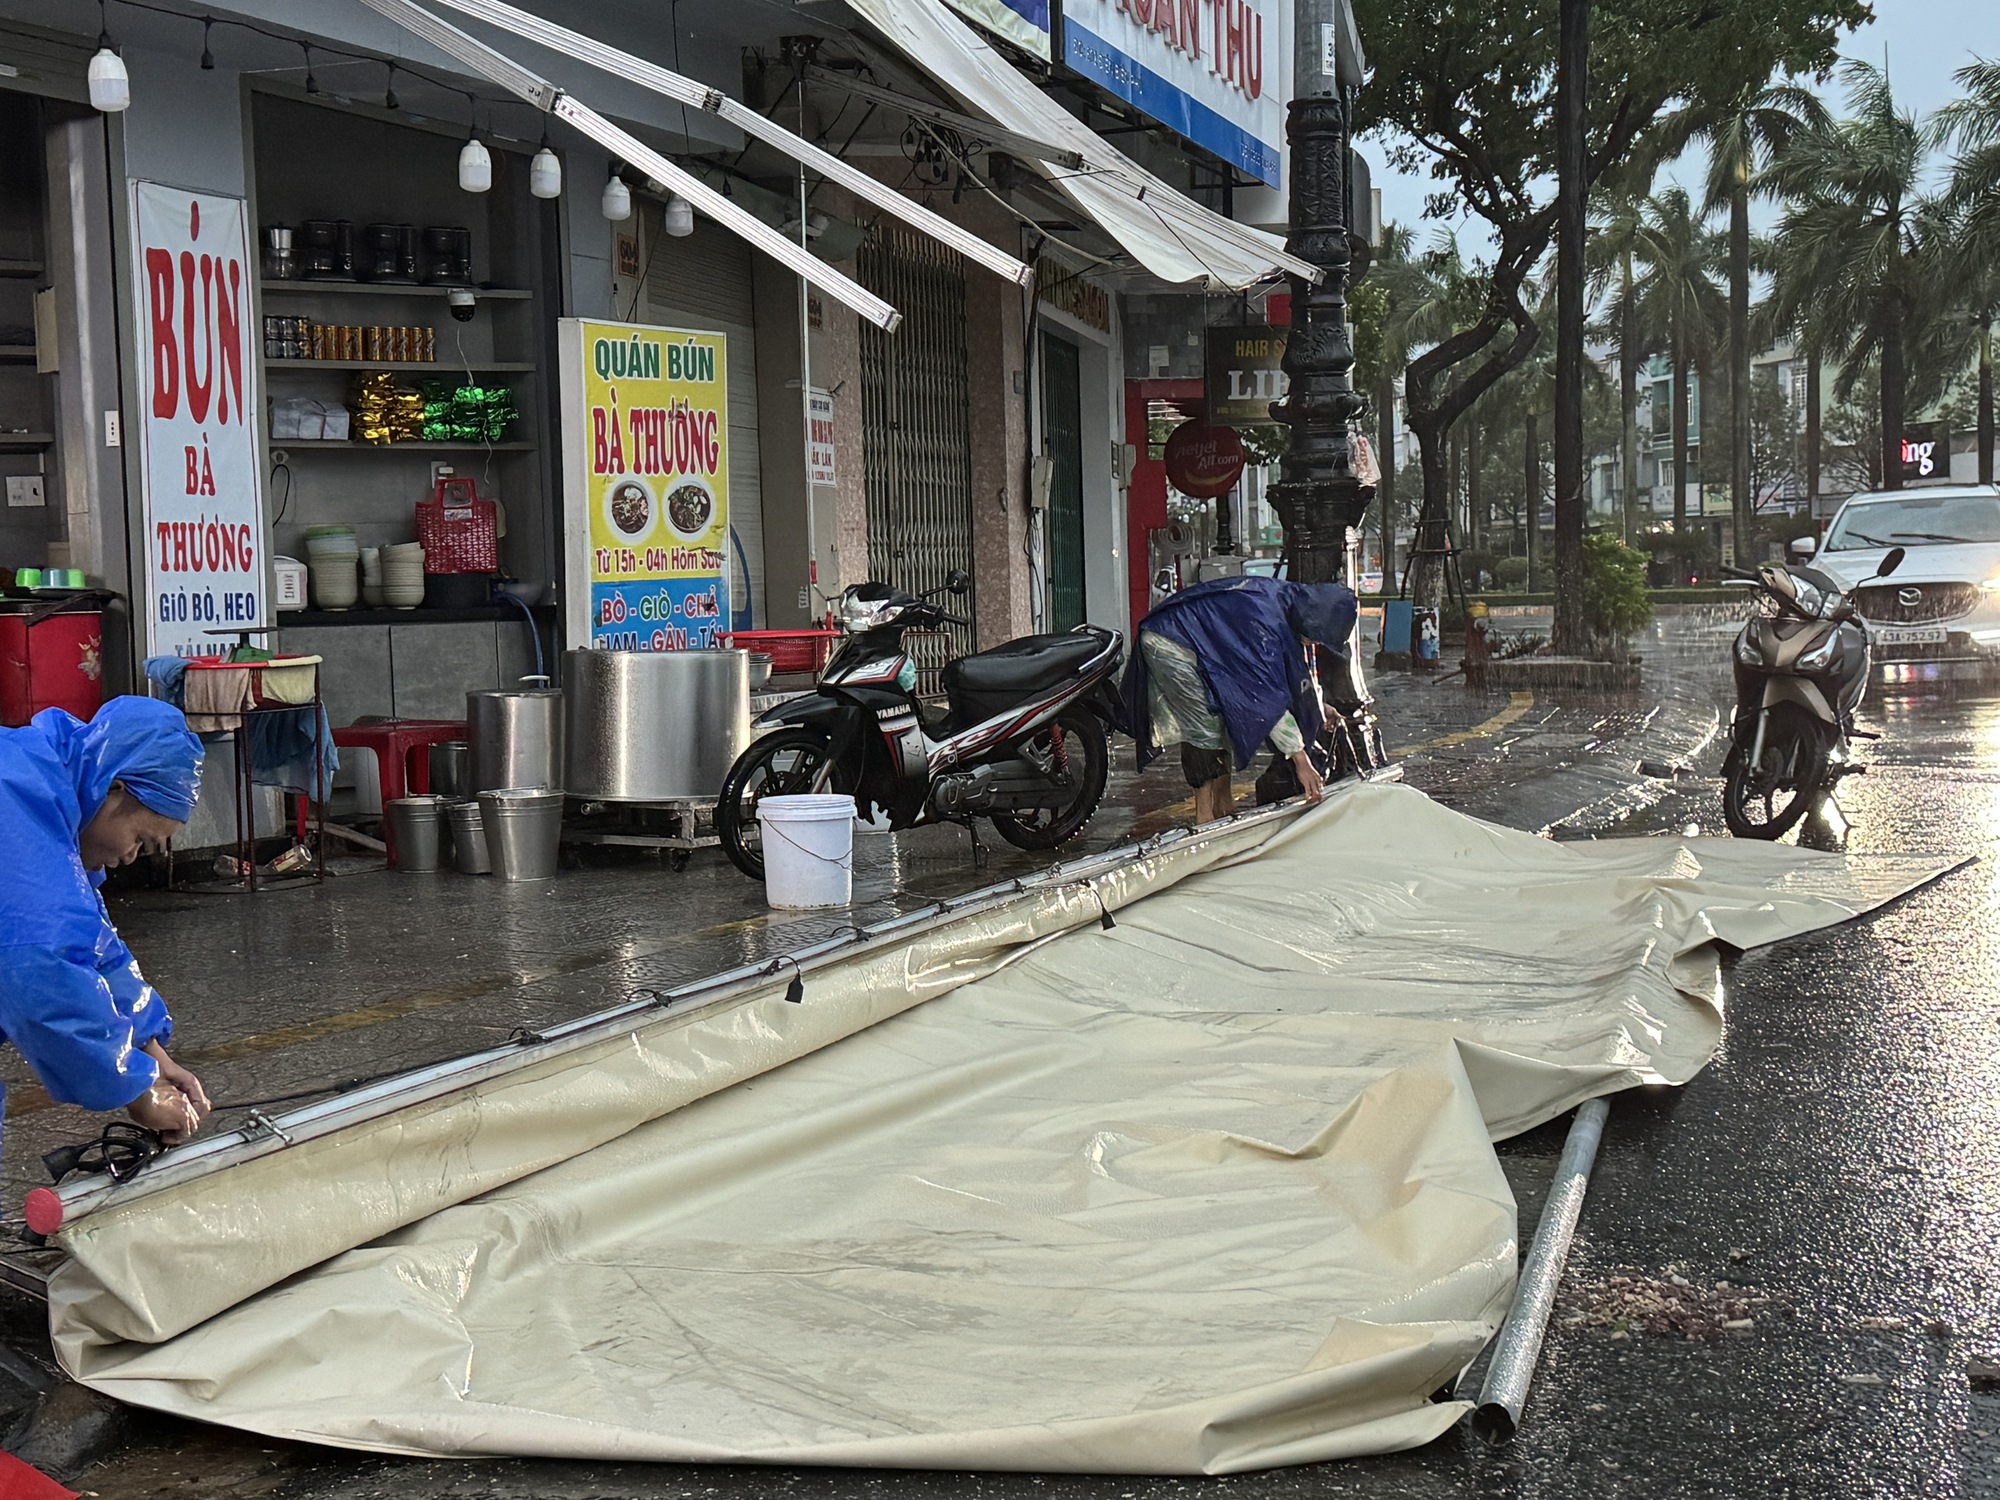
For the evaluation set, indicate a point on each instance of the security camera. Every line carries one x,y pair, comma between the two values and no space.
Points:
462,303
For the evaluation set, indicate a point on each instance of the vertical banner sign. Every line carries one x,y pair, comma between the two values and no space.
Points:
202,476
821,465
646,462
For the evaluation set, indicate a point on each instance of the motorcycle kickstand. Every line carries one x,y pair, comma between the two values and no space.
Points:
979,854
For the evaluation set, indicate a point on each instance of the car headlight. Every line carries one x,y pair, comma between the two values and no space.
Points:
1992,585
1747,652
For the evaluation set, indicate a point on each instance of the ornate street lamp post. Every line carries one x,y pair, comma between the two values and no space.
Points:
1318,495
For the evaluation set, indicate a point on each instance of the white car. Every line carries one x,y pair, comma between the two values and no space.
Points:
1938,617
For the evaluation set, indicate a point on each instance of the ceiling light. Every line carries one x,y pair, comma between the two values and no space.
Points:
475,166
617,199
545,172
679,218
110,84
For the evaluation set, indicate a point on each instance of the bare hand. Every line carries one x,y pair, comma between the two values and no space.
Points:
179,1094
1310,781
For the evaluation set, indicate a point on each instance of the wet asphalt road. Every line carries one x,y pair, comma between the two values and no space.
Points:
1839,1160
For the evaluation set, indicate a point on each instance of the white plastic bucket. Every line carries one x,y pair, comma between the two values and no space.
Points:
808,850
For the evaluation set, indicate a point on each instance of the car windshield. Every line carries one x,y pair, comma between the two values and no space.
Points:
1916,521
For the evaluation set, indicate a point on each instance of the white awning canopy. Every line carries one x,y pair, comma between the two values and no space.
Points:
1168,233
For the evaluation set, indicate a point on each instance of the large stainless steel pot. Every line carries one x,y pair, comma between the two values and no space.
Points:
517,736
654,726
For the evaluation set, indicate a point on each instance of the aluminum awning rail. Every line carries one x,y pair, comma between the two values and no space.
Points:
697,95
1168,233
498,68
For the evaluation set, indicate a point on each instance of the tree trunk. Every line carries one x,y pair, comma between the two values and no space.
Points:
1427,544
1531,493
1475,508
1572,201
1455,459
1628,400
1985,438
1742,503
1385,458
1678,415
1892,400
1812,432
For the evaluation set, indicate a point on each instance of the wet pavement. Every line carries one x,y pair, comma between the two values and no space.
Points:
1838,1161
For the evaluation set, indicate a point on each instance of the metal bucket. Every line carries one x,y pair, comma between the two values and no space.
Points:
517,736
468,840
451,769
654,726
523,831
417,824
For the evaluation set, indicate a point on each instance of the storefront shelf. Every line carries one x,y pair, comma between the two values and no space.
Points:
16,354
26,439
20,268
362,288
300,619
348,445
448,366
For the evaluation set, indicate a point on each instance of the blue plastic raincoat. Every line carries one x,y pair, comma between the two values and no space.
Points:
1247,635
72,999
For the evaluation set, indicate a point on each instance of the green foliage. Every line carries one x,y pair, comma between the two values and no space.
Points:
1615,602
1511,572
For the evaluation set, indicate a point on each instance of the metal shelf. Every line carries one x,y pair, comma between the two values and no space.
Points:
17,354
348,445
22,440
371,288
20,268
394,367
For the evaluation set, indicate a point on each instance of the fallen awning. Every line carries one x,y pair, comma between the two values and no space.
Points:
1167,232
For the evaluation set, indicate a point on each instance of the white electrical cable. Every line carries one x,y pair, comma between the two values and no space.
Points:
544,95
698,95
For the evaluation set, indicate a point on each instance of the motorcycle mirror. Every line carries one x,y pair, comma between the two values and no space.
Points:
957,582
1891,560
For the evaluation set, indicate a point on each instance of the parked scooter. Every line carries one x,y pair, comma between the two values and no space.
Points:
1024,741
1802,666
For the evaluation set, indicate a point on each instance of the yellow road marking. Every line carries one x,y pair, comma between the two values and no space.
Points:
1517,705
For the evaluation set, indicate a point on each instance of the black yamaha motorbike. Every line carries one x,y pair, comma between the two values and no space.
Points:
1801,669
1023,742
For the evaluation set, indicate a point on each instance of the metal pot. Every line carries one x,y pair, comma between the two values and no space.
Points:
517,736
451,769
654,726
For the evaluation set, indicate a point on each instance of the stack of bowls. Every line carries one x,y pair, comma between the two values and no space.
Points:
372,593
403,575
331,559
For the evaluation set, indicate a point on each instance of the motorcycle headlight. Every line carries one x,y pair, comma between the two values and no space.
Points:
1747,652
1808,598
1821,656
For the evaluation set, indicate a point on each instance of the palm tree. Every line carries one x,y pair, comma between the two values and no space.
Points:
1679,303
1613,246
1744,138
1973,124
1857,250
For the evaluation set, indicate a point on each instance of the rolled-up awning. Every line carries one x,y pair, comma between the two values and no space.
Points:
1167,232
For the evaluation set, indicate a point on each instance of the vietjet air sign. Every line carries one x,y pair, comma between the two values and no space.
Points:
1213,70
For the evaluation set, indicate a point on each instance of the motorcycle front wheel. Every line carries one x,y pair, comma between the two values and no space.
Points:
1767,800
1074,738
791,762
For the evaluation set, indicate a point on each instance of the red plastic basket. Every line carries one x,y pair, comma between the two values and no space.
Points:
789,650
461,538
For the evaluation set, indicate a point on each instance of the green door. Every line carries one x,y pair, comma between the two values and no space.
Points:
1062,440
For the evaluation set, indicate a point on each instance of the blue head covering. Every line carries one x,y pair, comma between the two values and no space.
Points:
1321,612
141,743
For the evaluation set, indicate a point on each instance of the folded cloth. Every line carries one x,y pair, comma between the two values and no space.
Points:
284,747
216,698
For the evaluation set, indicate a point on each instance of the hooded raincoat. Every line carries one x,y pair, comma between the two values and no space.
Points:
1247,635
72,999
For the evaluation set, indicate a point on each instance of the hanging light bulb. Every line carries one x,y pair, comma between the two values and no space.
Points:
679,218
617,199
110,84
207,57
475,163
545,171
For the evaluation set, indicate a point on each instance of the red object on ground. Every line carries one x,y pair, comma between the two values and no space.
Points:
20,1482
51,660
1204,461
395,742
789,650
43,1210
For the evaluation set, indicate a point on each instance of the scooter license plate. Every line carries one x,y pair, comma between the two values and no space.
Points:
1910,635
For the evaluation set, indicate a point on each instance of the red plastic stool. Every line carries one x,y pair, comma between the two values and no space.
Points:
394,742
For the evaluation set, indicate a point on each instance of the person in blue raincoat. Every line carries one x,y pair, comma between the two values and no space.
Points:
77,799
1226,665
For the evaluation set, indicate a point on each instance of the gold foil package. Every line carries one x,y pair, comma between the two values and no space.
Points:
385,412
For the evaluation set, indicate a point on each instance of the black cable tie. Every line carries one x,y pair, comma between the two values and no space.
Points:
795,992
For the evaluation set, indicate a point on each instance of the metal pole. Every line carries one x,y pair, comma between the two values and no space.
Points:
1520,1341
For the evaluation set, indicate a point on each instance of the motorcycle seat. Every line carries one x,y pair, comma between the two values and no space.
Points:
1032,664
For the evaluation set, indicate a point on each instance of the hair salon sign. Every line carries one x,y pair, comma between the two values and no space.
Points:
198,459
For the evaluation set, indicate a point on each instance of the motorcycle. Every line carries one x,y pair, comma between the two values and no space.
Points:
1801,667
1024,741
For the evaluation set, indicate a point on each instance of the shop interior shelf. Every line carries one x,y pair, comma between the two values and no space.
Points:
348,445
26,439
20,268
17,354
444,366
365,288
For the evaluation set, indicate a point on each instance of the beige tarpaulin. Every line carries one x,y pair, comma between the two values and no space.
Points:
1209,1191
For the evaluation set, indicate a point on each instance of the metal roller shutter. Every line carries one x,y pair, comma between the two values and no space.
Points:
703,281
